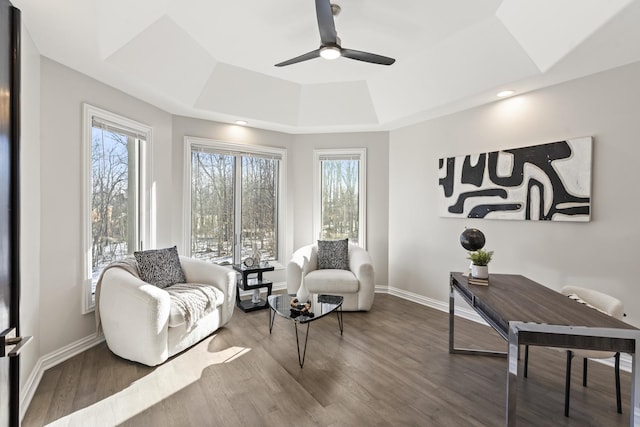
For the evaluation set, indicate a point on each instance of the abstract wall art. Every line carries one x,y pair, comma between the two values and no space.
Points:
547,182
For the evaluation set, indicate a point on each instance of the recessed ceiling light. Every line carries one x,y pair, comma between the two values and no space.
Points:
241,122
330,52
506,93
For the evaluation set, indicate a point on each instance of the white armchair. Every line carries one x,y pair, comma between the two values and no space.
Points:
356,285
137,317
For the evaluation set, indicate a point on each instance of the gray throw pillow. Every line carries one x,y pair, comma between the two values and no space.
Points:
160,267
333,254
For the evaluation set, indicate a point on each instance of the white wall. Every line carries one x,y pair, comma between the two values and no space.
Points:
424,248
377,145
62,93
29,203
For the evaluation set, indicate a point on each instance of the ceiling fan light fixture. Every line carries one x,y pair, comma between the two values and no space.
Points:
330,52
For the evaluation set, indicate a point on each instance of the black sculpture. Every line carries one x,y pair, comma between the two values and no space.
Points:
472,239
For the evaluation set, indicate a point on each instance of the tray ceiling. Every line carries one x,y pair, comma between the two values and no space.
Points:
215,60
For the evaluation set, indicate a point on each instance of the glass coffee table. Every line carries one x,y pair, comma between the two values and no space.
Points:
319,306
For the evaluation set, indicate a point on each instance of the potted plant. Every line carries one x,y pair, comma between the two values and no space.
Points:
480,263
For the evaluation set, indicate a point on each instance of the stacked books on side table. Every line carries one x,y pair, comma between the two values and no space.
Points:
477,281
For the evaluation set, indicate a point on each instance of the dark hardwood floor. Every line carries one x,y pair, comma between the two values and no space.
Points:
391,368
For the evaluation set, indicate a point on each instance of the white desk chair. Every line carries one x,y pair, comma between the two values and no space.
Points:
601,302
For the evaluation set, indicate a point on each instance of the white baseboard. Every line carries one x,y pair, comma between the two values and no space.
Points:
50,360
465,313
470,314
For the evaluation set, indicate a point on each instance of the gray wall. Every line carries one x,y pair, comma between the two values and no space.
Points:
300,179
377,145
62,93
424,248
57,197
30,203
401,190
413,249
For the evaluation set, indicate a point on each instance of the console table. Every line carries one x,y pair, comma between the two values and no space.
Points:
254,284
524,312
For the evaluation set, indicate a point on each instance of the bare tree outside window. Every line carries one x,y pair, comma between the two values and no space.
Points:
339,199
212,206
259,207
117,198
113,231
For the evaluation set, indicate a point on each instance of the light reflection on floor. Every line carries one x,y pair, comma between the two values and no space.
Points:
165,380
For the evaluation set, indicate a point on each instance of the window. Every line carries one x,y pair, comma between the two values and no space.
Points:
339,194
116,213
235,196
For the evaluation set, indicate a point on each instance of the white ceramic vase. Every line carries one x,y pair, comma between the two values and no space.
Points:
303,293
480,271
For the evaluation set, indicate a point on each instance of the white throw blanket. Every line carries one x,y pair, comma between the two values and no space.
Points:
192,300
129,264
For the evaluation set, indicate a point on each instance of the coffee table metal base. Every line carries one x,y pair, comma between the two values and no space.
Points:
304,351
272,317
301,355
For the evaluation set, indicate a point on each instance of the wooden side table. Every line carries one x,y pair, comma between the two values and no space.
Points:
253,284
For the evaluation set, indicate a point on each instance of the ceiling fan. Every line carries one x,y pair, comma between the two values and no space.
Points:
330,42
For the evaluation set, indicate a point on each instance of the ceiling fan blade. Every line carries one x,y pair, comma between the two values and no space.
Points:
304,57
326,23
367,57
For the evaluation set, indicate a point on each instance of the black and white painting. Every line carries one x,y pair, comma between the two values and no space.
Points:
548,182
